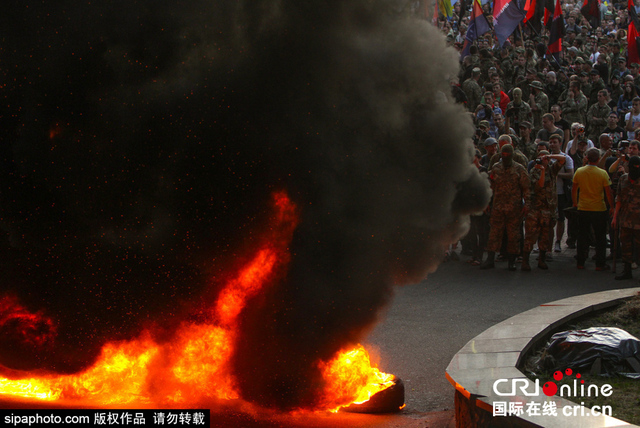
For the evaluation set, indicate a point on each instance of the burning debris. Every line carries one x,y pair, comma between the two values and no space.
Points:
223,191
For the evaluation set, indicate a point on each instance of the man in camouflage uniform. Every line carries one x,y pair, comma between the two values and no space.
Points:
510,185
597,116
517,110
542,205
627,214
518,156
597,84
539,103
472,89
526,145
574,107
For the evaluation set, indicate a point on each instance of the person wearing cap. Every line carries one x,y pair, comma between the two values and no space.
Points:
526,145
620,69
472,89
542,207
615,90
539,102
510,185
591,192
491,148
626,216
597,84
585,82
597,116
572,56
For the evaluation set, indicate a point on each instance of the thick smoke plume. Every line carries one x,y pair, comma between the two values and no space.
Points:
141,142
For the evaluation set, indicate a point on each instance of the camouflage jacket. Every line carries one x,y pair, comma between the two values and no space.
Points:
518,113
596,126
628,195
542,102
544,198
510,186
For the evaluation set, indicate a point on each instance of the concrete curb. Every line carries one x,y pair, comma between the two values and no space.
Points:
497,352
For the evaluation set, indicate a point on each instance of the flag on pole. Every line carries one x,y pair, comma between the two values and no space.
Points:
535,11
591,11
507,14
446,8
549,9
632,35
478,25
556,33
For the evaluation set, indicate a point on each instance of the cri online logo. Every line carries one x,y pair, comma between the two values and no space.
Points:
551,388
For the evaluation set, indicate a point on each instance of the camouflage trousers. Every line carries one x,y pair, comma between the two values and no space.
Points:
537,228
628,239
499,221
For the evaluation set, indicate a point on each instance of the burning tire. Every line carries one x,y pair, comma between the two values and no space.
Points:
390,400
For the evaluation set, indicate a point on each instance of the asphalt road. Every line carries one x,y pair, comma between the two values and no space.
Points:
429,322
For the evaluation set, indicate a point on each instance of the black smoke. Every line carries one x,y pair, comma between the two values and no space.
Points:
141,142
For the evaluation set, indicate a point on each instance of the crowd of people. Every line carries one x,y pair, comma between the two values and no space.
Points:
558,139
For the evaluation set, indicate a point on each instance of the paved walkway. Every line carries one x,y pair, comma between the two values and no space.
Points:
430,321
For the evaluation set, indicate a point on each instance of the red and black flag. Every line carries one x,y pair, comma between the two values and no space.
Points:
549,7
556,32
535,12
591,11
632,35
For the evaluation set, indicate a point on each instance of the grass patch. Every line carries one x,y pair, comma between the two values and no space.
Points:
625,400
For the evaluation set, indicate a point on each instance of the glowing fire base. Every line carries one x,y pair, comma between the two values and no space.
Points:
390,400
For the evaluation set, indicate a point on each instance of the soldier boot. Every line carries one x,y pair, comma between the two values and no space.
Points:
542,260
525,262
489,263
626,272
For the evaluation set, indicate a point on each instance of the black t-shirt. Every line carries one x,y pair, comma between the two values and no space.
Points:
563,124
544,135
617,134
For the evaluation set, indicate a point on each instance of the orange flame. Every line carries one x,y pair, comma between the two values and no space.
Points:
196,363
350,379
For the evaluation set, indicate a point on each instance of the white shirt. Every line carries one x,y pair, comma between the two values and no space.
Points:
570,143
568,164
631,135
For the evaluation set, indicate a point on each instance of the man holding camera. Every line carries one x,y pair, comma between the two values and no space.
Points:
542,207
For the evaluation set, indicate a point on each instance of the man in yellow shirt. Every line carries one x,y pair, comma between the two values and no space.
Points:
591,185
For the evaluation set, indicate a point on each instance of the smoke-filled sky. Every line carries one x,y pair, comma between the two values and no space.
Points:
141,142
